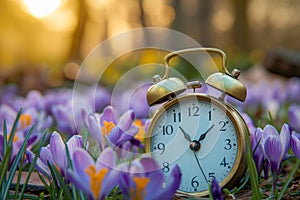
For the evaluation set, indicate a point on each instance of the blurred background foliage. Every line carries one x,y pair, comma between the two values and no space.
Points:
43,42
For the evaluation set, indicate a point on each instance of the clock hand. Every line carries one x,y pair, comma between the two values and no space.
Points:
200,167
186,136
204,134
194,145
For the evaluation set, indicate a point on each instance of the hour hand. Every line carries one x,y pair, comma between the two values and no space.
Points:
202,136
186,136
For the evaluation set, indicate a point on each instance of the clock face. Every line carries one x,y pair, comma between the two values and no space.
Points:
200,136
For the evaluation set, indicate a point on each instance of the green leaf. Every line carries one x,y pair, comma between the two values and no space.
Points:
52,190
62,183
4,168
27,196
85,138
68,156
60,196
14,127
74,192
4,137
70,165
16,162
243,184
32,166
19,177
289,179
53,174
271,122
254,180
252,170
226,191
81,194
210,192
44,181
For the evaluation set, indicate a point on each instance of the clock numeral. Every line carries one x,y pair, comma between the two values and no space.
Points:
224,163
176,116
211,176
194,111
168,130
209,115
161,147
166,167
228,144
222,124
194,182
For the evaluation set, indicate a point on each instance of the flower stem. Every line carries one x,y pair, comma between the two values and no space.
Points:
275,179
289,179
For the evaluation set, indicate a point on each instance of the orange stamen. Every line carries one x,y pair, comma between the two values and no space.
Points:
96,179
139,192
15,139
141,133
25,120
107,127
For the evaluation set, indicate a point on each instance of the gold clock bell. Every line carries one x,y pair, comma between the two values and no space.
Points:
165,88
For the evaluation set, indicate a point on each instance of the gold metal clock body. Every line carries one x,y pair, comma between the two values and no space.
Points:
196,112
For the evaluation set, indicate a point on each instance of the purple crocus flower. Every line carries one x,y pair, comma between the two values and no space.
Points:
258,154
40,120
99,97
33,114
7,113
94,179
109,127
294,117
216,190
295,143
64,118
255,134
143,125
8,94
51,98
274,96
253,94
27,119
133,98
136,100
144,179
275,147
293,89
34,99
55,153
17,143
131,148
249,122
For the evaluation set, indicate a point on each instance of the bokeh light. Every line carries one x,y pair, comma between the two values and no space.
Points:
52,33
41,8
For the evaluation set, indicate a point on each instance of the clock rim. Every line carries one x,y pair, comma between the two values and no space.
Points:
240,164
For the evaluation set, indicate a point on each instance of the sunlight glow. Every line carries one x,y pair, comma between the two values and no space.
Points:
41,8
223,20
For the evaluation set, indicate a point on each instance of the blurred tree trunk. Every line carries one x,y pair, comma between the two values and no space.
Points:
143,21
241,30
197,23
204,16
143,16
77,38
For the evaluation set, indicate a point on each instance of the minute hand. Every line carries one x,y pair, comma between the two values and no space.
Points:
204,134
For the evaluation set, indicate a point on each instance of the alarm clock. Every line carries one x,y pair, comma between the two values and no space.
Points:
203,134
